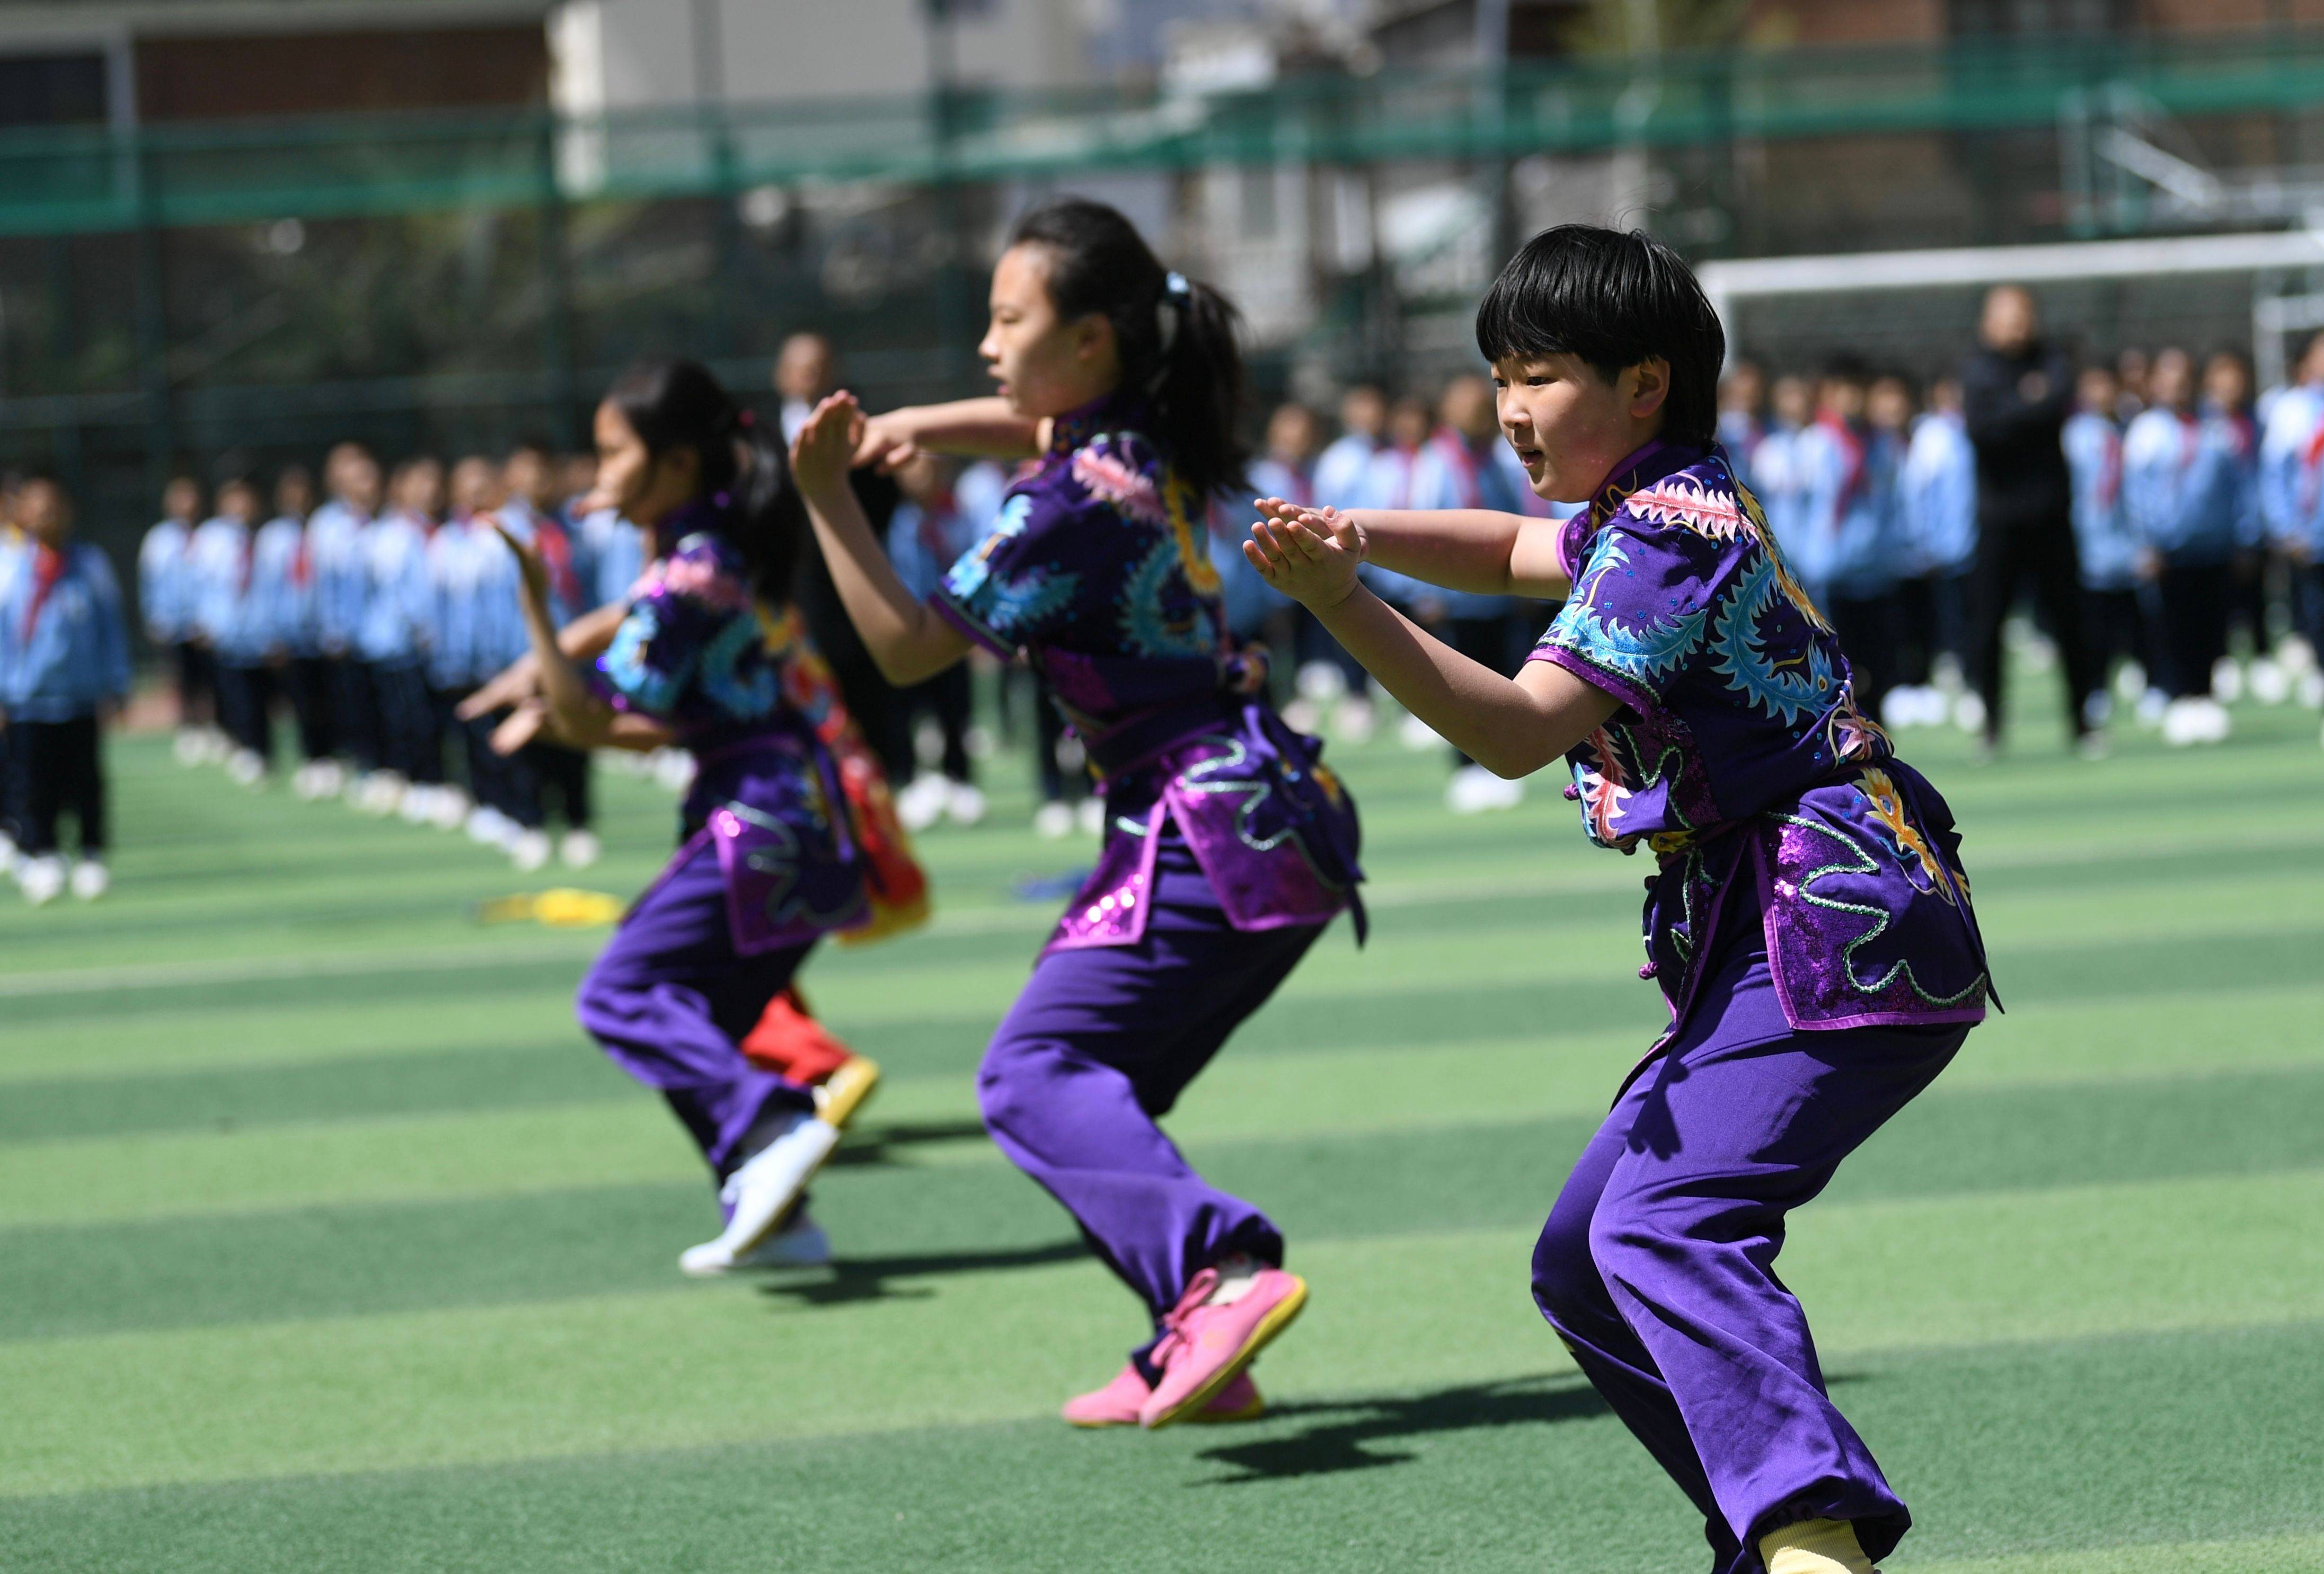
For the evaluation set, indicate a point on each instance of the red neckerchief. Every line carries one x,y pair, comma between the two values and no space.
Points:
302,566
1465,465
2109,465
556,548
48,567
933,513
249,547
1851,444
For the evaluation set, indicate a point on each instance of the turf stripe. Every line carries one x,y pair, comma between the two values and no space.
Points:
697,1366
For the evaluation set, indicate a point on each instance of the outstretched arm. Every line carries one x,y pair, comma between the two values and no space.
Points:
905,636
566,708
1474,549
1510,726
976,428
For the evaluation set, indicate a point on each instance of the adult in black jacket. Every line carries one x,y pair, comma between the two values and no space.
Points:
2018,390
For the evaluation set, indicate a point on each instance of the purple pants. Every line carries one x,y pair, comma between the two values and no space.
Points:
1657,1264
670,998
1101,1042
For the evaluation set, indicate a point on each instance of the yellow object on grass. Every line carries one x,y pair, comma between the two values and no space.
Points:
561,907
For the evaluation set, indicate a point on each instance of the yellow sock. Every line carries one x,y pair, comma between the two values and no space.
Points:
1814,1546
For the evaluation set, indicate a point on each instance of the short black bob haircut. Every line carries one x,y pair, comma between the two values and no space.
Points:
1611,298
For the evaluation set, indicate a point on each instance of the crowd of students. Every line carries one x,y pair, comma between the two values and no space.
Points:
2181,571
370,618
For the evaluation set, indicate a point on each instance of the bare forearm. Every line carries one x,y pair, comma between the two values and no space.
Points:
1472,549
1487,717
585,637
907,640
981,429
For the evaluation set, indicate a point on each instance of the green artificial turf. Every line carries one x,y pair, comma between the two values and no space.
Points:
327,1242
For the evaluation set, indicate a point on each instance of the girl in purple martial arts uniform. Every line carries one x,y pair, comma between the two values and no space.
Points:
1227,848
767,863
1809,923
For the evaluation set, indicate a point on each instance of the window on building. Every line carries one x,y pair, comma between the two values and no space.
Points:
63,89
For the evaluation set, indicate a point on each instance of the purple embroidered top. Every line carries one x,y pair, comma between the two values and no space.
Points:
1098,573
1739,755
692,652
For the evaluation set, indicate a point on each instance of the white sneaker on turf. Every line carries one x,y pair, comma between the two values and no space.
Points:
800,1244
1322,682
2216,723
2311,690
449,812
1969,712
1353,720
529,851
484,824
921,804
1090,816
765,1188
674,769
41,879
186,747
1054,821
90,880
965,803
417,806
2181,727
1474,790
2226,680
244,767
1302,715
579,849
2270,681
1416,734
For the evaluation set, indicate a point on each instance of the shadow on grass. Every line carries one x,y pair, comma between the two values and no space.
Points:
1344,1436
880,1145
853,1279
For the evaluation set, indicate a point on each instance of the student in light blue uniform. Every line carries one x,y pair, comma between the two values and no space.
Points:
1743,418
165,603
1773,461
1936,497
235,613
398,610
464,558
1341,479
2189,480
338,552
1256,612
2292,489
1847,553
64,665
2114,615
927,533
541,771
284,565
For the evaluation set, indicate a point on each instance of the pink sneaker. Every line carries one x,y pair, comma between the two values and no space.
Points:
1206,1346
1119,1402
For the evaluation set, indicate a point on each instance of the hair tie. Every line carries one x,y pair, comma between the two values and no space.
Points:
1167,313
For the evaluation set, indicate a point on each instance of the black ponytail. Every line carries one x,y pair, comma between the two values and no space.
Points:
679,405
1176,337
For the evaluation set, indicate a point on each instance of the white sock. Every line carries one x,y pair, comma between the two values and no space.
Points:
1237,1274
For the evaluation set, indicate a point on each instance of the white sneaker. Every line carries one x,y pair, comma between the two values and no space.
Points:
1416,734
212,745
674,769
2270,684
2226,680
529,851
487,827
2181,726
965,803
186,749
764,1189
1303,716
1322,682
245,769
1969,712
2130,682
800,1244
418,804
1474,790
2311,690
1054,821
2153,706
41,879
90,880
579,849
449,812
1354,720
1090,816
2213,718
921,804
2098,708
